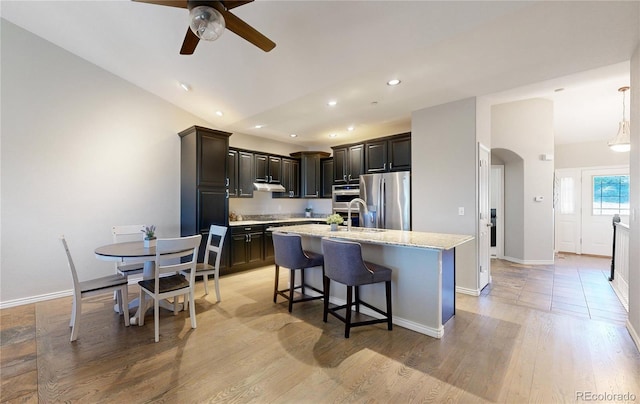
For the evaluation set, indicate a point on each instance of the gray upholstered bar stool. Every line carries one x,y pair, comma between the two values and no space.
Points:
344,264
289,254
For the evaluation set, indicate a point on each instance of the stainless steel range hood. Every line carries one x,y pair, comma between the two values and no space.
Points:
264,187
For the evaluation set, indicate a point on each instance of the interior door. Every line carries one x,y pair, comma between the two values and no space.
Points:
484,217
597,227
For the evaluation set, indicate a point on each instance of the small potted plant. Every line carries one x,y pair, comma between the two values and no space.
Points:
149,236
308,211
334,220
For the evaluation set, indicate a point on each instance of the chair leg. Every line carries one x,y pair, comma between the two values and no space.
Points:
275,288
347,323
388,292
357,299
124,298
302,280
326,283
205,280
216,278
292,281
73,312
141,309
192,308
176,303
119,300
75,318
156,319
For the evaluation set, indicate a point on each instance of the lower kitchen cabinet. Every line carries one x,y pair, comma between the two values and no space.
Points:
247,246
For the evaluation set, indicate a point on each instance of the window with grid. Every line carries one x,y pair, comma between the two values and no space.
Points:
610,195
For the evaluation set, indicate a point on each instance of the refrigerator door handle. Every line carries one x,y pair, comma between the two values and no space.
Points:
381,214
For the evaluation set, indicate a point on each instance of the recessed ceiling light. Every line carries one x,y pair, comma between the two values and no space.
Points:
393,82
185,86
333,135
293,135
219,113
332,103
350,128
258,126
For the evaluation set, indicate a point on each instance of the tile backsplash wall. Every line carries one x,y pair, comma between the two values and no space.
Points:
263,204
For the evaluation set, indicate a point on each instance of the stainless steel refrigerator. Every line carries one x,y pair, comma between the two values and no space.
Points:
388,200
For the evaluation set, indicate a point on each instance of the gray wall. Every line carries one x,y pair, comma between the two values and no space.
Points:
526,128
634,220
443,155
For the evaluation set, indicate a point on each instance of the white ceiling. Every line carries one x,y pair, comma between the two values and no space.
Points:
347,50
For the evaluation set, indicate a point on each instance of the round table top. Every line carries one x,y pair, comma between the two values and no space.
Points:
128,249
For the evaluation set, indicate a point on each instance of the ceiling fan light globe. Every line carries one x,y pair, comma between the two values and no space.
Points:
206,22
622,141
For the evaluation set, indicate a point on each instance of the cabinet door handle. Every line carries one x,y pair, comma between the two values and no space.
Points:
390,166
240,191
344,177
227,183
227,192
316,194
384,166
249,237
349,177
235,191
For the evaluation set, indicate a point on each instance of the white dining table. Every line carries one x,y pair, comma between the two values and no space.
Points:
134,252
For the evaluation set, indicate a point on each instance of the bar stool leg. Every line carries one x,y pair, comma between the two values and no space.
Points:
302,279
275,289
347,325
292,281
357,299
326,282
388,292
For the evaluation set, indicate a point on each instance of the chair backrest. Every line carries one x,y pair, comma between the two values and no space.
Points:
132,232
343,262
177,254
219,233
72,267
288,250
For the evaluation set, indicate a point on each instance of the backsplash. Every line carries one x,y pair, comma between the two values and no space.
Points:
263,204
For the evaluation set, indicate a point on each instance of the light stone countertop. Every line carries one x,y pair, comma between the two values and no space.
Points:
290,220
418,239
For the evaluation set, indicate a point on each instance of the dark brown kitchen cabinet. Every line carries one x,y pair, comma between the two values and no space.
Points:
326,169
310,174
240,171
203,181
247,246
388,154
290,179
348,164
267,168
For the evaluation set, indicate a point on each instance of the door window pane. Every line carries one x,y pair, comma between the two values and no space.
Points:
610,195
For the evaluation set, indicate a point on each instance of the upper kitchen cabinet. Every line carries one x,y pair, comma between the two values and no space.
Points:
348,163
240,171
267,168
310,172
326,169
203,181
290,179
388,154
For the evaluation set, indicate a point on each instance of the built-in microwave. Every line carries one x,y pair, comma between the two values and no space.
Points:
342,195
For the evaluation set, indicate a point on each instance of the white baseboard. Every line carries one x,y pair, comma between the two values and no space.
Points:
634,334
35,299
467,291
402,322
528,262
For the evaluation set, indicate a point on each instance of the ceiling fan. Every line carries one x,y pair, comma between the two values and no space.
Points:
208,19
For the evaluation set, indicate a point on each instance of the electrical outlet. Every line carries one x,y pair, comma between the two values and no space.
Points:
461,211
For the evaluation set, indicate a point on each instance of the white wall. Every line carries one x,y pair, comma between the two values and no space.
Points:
81,150
588,154
443,164
526,128
634,221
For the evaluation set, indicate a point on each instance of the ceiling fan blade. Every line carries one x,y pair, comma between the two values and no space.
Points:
170,3
190,43
246,31
229,4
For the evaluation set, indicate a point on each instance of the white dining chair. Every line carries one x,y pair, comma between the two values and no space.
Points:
122,234
173,255
92,287
215,242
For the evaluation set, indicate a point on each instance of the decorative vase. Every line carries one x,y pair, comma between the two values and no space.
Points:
334,226
150,242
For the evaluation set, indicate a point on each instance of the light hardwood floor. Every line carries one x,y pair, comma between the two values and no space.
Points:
505,346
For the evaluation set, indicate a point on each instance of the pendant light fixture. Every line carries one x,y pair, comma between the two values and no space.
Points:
622,141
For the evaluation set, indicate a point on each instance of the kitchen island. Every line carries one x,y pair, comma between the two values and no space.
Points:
423,264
